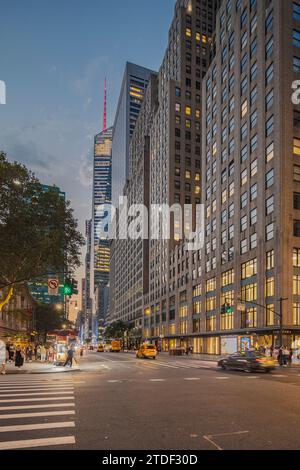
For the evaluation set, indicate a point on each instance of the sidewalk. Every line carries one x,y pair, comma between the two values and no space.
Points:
38,368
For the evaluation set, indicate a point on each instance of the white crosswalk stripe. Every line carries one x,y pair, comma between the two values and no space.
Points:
27,404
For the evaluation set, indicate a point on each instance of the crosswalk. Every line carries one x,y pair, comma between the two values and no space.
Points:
36,413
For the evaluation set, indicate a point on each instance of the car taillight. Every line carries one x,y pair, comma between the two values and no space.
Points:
260,360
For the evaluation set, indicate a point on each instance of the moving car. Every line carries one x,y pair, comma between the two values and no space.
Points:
147,351
100,348
115,346
248,361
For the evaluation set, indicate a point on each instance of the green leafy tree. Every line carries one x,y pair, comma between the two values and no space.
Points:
38,231
48,318
117,329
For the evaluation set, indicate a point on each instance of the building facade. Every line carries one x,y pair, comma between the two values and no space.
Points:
175,165
17,316
230,294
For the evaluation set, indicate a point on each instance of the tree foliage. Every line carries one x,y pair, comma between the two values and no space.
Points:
48,318
38,231
117,329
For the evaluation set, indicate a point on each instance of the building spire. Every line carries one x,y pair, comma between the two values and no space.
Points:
105,104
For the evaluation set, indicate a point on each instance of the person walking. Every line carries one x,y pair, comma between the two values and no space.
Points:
70,356
286,356
19,357
3,357
43,353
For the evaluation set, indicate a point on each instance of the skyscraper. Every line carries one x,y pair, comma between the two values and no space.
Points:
134,84
101,199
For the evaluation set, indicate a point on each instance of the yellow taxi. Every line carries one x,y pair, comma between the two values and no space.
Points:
100,348
147,351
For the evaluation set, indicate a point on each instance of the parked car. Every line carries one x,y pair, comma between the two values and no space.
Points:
248,361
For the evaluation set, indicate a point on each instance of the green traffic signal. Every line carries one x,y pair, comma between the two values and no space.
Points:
68,289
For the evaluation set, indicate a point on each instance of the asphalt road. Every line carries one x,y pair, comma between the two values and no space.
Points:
119,402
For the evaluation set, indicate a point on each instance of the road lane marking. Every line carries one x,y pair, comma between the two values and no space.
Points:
51,441
71,397
210,438
33,427
39,394
192,378
114,381
157,380
252,377
222,378
38,414
45,387
32,407
280,376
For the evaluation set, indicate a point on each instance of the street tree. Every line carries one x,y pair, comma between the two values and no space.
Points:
38,231
48,318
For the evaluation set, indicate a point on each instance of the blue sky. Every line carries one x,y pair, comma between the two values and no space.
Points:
54,56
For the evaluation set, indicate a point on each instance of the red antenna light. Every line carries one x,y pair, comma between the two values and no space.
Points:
105,104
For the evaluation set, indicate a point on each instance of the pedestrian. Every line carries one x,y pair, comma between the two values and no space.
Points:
43,353
19,357
29,353
3,356
191,349
70,356
290,358
286,356
280,357
187,350
81,351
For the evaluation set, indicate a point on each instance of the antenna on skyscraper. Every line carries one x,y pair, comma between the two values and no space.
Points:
105,104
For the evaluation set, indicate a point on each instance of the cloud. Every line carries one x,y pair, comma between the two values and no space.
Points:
85,173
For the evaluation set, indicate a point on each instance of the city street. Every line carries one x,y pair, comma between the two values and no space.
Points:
118,402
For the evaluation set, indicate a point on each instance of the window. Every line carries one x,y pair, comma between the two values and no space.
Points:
269,22
296,146
197,290
269,179
249,318
211,285
269,74
253,217
270,260
211,304
244,246
249,293
270,287
296,11
297,201
253,144
269,48
297,173
270,315
249,269
253,192
253,241
244,223
253,168
297,228
296,285
296,38
296,257
296,64
188,111
270,232
269,100
244,177
270,152
270,128
296,313
227,278
211,323
270,205
244,200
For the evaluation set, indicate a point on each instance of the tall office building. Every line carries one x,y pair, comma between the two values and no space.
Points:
229,295
102,174
134,84
175,165
132,276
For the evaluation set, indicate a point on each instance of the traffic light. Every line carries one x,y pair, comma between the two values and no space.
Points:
227,309
75,286
68,288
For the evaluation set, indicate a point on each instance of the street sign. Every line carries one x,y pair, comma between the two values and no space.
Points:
53,285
